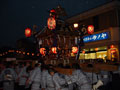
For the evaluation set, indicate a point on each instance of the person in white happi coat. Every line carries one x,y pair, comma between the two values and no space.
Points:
35,78
80,79
49,83
17,70
44,76
29,70
68,79
23,76
94,77
60,82
8,76
54,81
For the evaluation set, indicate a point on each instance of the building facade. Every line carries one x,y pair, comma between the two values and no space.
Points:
104,43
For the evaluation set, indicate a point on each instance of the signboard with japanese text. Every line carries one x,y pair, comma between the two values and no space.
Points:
96,37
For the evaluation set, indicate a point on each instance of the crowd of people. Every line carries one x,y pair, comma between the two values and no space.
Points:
24,76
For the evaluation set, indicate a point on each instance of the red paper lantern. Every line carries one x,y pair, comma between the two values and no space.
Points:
90,29
74,49
51,23
112,46
42,51
28,32
54,50
113,51
52,11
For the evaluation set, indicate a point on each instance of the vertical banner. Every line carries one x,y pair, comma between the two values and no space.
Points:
51,40
76,40
40,43
64,40
58,38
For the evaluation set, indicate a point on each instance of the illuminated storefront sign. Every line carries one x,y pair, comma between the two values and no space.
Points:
96,37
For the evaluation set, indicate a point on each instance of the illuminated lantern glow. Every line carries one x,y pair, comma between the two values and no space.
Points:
11,51
19,51
113,51
83,52
28,32
33,54
90,29
54,50
28,53
74,49
42,51
96,49
51,23
24,53
52,11
75,25
112,46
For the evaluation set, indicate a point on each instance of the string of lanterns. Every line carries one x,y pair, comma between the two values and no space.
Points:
54,49
41,50
19,52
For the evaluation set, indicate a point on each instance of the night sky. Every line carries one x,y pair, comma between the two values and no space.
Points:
16,15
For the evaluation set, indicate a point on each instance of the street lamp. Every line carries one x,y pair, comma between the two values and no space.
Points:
75,25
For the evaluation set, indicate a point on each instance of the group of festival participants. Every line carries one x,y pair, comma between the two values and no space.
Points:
23,76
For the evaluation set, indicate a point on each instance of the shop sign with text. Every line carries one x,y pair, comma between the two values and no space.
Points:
96,37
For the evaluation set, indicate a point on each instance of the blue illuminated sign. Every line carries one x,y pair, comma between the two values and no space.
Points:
96,37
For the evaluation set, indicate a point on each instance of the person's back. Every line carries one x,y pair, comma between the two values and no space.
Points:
80,79
43,78
9,77
60,81
92,77
35,78
23,76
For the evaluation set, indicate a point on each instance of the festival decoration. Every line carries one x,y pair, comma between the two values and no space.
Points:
28,32
90,29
